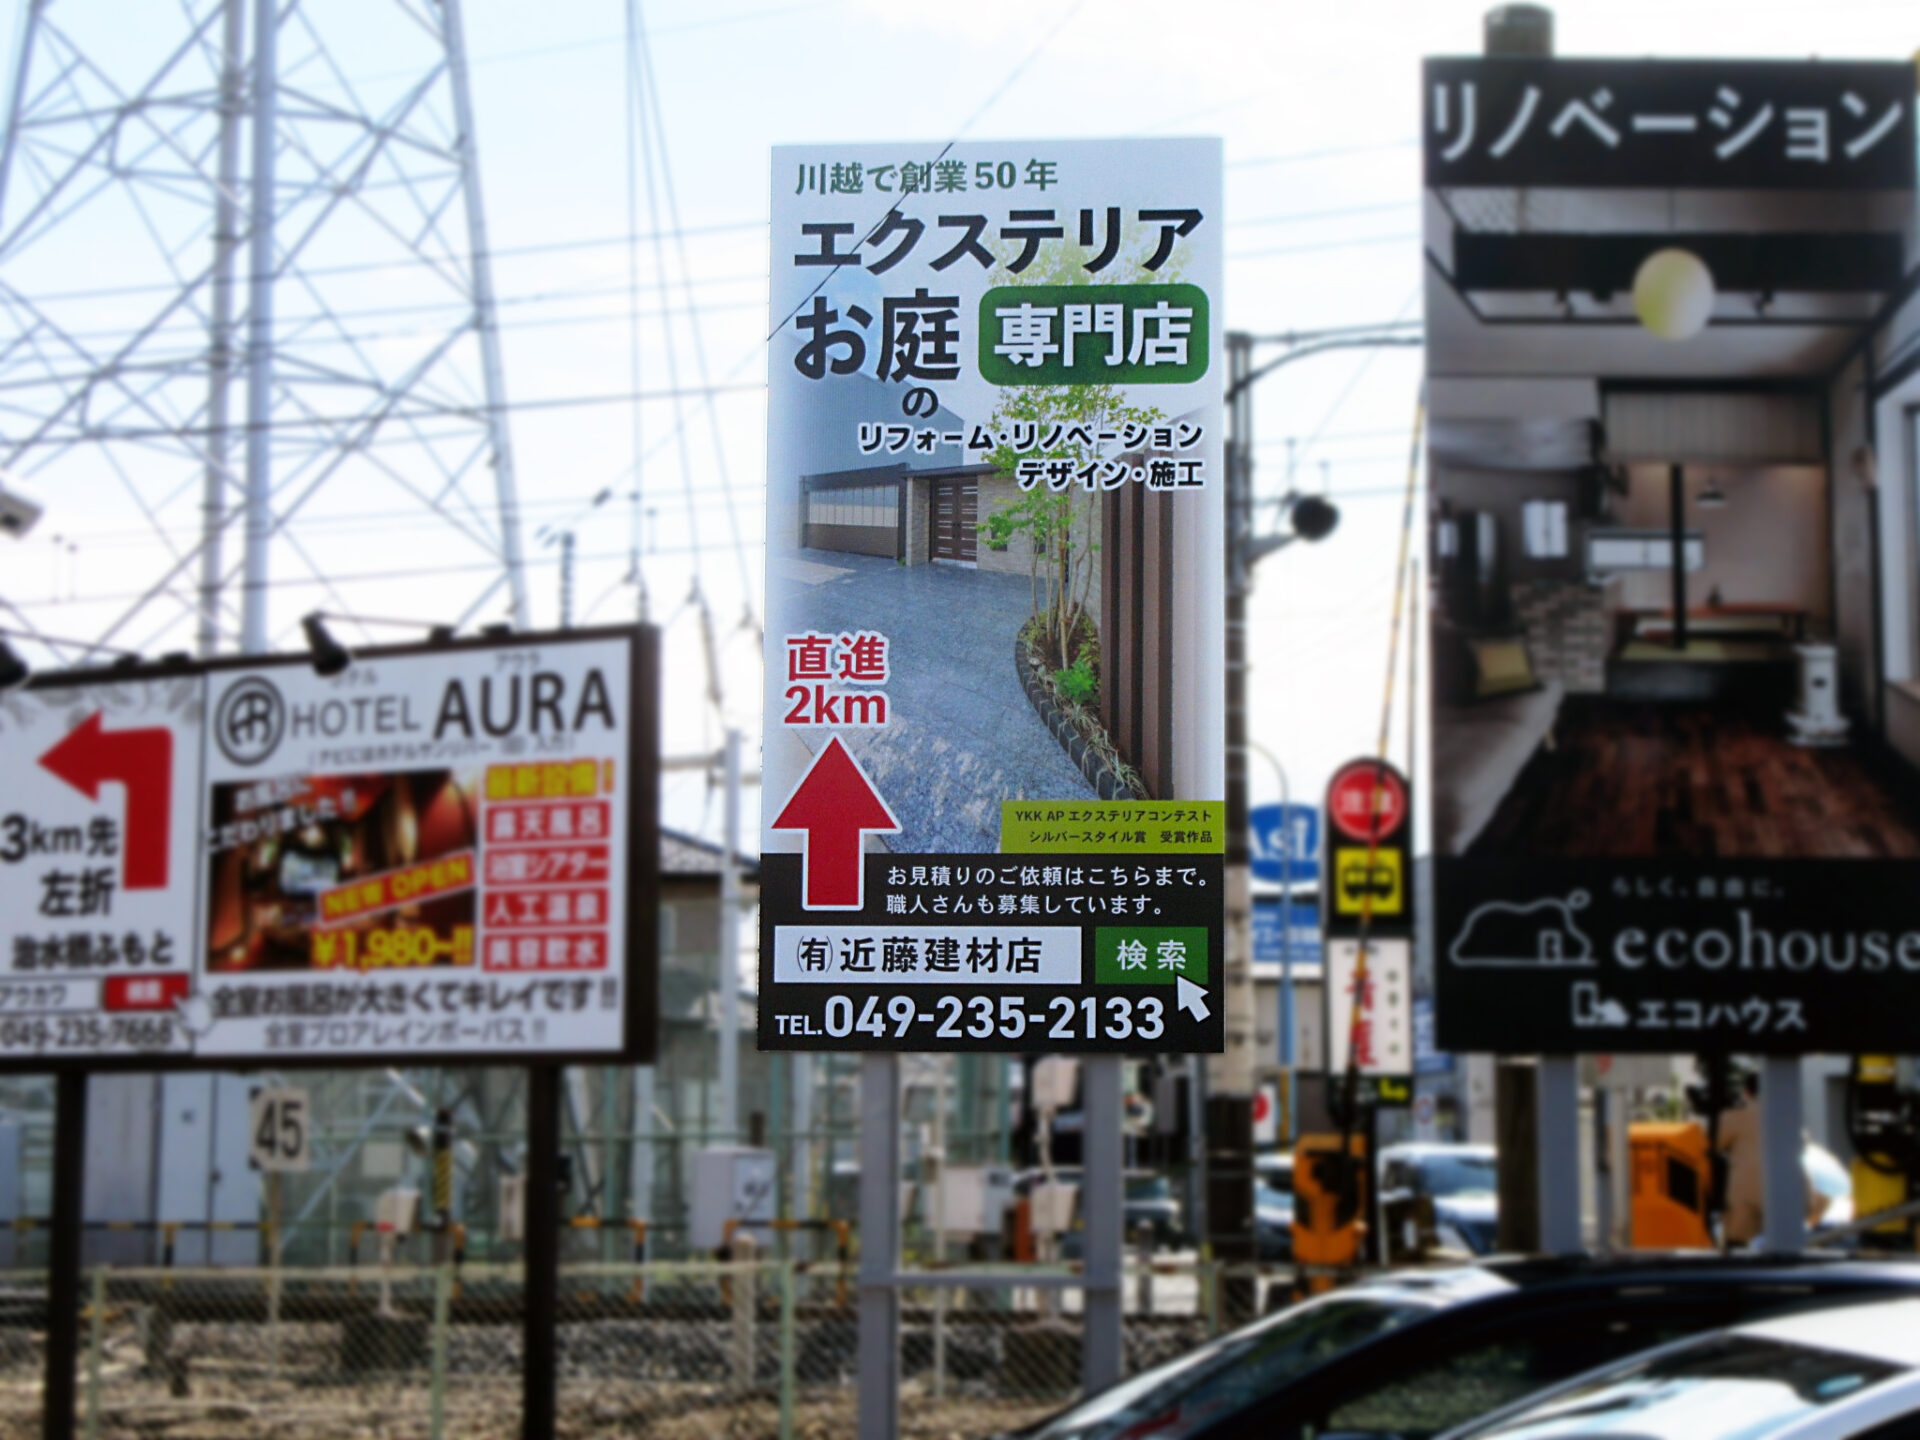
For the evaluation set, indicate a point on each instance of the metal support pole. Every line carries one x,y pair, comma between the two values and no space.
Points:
727,1122
1677,539
1229,1108
789,1347
879,1346
253,615
1102,1204
1783,1193
437,1381
17,96
480,257
1557,1108
226,247
1603,1169
542,1253
96,1336
63,1258
801,1130
640,1166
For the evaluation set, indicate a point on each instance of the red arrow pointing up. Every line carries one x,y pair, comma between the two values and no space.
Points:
835,804
141,760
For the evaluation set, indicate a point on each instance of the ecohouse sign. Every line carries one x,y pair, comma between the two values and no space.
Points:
444,851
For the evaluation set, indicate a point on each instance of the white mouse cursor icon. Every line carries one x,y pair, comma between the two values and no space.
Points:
1192,997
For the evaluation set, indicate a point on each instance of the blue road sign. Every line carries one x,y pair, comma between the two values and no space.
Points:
1286,838
1303,933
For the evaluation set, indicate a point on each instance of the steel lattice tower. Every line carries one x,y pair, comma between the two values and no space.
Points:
246,301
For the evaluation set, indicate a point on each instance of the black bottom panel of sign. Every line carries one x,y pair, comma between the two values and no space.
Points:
996,953
1688,955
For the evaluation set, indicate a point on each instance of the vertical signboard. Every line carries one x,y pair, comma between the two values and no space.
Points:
1367,913
440,851
995,661
1673,803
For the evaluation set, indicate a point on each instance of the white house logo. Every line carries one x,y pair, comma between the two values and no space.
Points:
1537,934
250,721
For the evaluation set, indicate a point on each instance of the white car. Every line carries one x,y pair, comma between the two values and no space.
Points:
1847,1373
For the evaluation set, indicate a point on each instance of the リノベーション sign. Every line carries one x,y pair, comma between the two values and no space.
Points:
1672,793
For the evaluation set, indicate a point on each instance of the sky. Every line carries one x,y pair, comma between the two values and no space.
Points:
1317,106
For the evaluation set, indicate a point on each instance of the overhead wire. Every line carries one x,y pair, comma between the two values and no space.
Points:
1357,1007
631,116
652,92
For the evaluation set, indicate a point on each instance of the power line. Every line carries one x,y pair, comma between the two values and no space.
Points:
1347,244
393,416
1300,156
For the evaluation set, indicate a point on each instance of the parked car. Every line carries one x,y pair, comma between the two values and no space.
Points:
1272,1222
1847,1373
1459,1180
1436,1348
1275,1170
1834,1183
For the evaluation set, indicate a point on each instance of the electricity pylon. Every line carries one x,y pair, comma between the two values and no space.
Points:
246,301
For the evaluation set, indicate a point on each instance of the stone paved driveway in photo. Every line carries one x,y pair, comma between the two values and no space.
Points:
962,736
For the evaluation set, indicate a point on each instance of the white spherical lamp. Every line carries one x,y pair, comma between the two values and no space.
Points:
1673,294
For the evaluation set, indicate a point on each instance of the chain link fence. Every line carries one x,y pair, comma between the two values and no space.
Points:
668,1351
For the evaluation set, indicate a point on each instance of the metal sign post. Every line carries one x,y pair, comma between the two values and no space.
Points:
879,1342
63,1259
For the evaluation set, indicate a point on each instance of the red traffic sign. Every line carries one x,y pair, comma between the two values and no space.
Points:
1367,801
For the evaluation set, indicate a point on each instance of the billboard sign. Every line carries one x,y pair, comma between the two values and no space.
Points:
995,652
1673,800
1286,843
442,851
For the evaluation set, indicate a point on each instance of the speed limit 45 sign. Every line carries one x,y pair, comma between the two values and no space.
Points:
279,1130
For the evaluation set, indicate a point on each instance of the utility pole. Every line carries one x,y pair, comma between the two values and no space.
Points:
1229,1077
1229,1101
728,1120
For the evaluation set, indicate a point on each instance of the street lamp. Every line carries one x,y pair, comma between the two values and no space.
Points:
18,514
1229,1185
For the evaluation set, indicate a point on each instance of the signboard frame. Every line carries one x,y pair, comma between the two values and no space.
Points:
943,433
639,1010
1665,909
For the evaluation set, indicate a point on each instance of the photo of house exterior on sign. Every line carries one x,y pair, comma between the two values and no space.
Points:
1670,347
995,517
993,441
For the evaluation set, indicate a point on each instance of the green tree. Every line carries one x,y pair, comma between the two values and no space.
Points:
1063,526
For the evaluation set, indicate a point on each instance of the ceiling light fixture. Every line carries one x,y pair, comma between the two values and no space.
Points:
1673,294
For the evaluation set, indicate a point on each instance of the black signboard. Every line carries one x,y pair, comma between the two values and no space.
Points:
1694,954
998,952
1705,124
